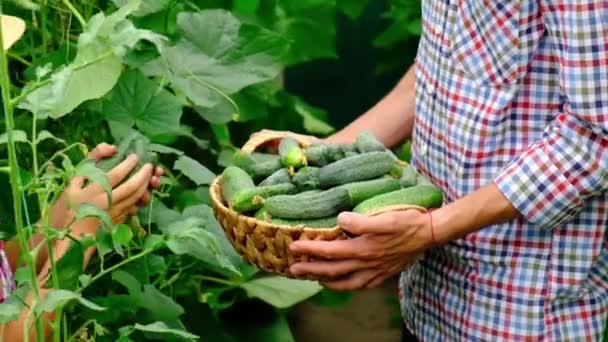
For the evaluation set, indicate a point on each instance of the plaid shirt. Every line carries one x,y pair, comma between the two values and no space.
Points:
515,92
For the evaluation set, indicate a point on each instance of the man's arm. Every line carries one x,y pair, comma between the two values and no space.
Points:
391,119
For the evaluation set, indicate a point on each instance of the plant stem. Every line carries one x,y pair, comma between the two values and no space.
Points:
77,14
117,266
217,280
16,179
18,58
43,32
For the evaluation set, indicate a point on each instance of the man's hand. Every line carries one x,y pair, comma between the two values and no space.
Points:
384,246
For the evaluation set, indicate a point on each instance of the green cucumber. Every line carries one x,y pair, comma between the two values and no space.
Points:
363,190
361,167
317,154
258,168
278,177
409,176
262,215
427,196
421,180
334,152
133,142
307,178
367,142
308,206
348,148
324,222
253,198
292,155
235,179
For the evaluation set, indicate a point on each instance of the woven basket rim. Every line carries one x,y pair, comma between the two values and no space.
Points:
215,193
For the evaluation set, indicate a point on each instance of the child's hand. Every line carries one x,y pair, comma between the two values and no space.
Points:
126,196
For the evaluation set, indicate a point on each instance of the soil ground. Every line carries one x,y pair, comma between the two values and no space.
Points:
368,317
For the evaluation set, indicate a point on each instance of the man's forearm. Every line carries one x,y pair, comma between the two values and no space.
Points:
482,208
391,119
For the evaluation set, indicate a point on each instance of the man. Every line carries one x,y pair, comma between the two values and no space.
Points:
510,118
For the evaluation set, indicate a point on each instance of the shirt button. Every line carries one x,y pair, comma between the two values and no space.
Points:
430,88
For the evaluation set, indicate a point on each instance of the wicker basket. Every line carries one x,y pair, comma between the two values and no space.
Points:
264,244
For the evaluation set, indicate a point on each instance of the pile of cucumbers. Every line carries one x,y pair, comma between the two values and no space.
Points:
310,186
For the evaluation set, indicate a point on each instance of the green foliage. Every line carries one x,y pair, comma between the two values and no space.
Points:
196,78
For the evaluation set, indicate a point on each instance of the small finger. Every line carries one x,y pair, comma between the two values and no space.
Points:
159,171
355,281
132,210
145,199
155,182
134,188
120,171
103,150
337,249
331,269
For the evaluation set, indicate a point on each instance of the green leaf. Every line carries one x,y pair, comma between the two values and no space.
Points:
352,8
10,311
162,328
58,297
122,235
281,292
312,118
46,135
192,169
70,267
90,210
131,283
26,4
137,100
147,7
103,239
218,56
18,136
246,6
95,69
95,175
190,237
310,27
205,213
164,149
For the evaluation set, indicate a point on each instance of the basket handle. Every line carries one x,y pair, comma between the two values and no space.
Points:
258,139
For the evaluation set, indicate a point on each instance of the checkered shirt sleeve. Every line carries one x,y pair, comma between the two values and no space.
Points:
549,182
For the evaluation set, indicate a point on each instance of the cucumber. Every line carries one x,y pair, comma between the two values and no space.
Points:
324,222
334,152
367,142
278,177
292,155
253,198
348,148
308,206
257,168
317,154
307,178
409,176
421,180
133,142
262,215
361,191
361,167
235,179
427,196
